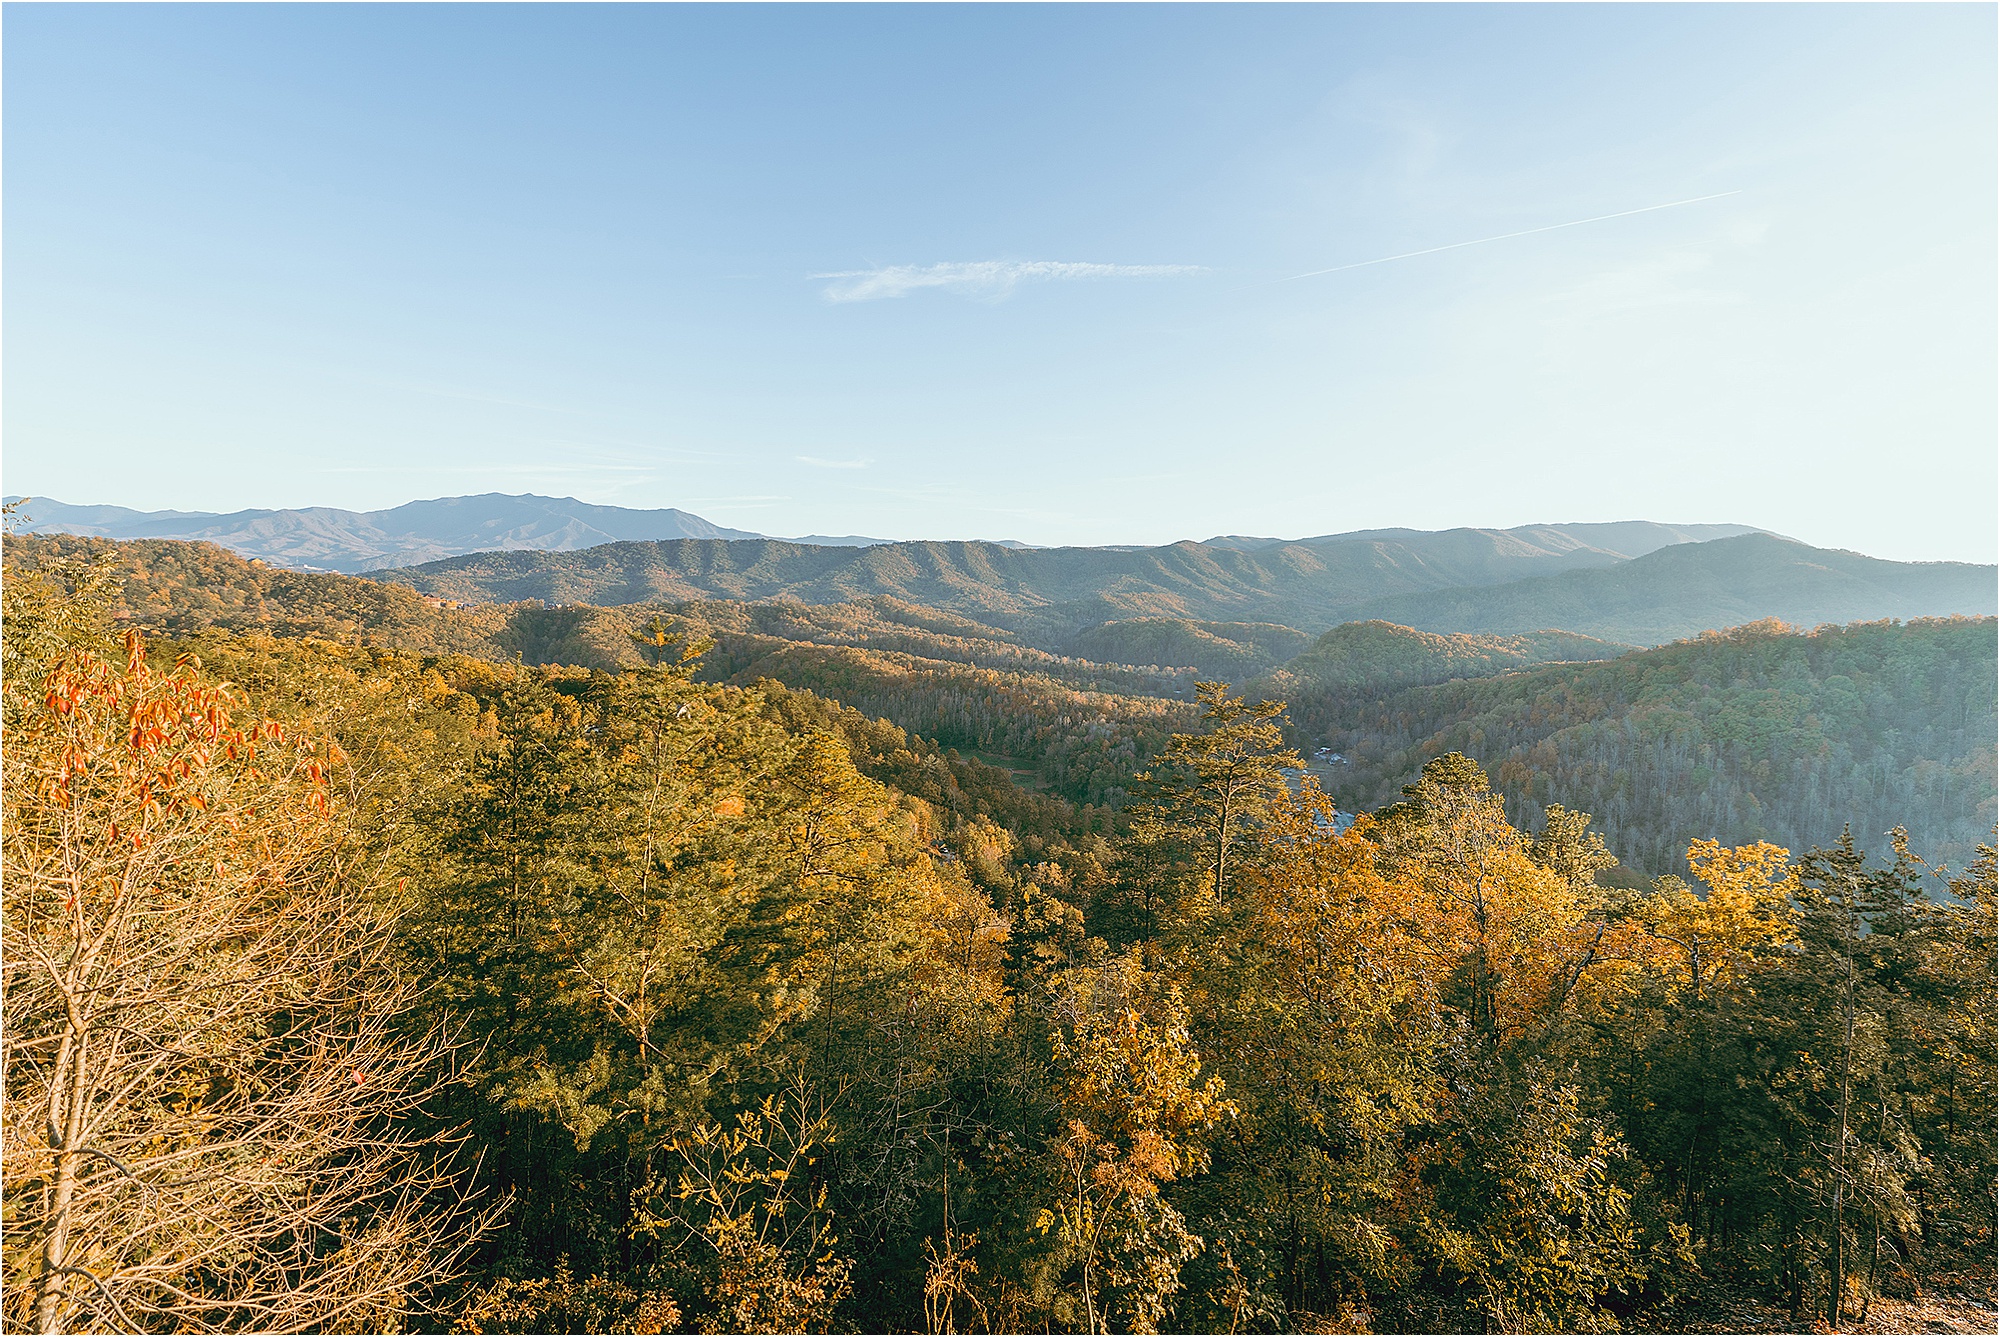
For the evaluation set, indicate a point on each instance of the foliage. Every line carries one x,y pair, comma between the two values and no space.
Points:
561,1303
214,1107
766,1240
764,1008
1201,812
1760,733
1134,1117
1524,1211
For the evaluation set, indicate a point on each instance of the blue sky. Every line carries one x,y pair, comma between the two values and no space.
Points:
1021,272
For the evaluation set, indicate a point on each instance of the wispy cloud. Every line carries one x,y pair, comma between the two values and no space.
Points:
818,463
990,279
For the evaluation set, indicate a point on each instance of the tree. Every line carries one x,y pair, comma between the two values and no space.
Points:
1521,941
1205,799
1321,1009
1134,1116
1795,1067
1745,914
1896,1004
214,1106
1568,848
745,1200
661,643
1525,1209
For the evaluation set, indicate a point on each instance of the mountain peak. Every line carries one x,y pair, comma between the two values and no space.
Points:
322,538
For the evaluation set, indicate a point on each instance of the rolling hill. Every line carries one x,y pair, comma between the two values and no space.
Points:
1761,732
1382,655
1230,651
1456,581
1687,589
182,587
1758,732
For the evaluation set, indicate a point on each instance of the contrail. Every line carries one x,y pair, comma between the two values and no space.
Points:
1525,232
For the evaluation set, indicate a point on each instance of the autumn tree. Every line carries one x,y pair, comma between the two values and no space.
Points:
1135,1115
1523,941
1322,1011
214,1097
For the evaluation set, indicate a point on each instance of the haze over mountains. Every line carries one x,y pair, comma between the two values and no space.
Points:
321,538
1633,582
1459,580
1684,590
1626,538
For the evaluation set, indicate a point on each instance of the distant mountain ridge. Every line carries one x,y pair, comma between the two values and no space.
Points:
1455,581
323,538
1625,538
1637,582
1049,589
1685,590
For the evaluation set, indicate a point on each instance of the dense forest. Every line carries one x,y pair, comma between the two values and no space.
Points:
1689,588
355,979
1763,732
1787,743
1375,656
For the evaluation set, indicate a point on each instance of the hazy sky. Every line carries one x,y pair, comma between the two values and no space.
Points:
1027,272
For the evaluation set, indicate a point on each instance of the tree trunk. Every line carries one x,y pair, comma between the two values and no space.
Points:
1839,1160
67,1101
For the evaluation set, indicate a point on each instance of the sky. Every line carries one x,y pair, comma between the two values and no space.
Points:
1061,274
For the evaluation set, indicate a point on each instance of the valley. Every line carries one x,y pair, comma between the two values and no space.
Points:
1002,668
910,859
1700,734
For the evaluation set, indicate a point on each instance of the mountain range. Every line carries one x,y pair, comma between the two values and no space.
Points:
322,538
1452,581
1633,582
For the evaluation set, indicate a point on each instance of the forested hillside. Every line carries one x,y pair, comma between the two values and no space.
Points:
1084,745
552,999
1223,651
1691,588
1460,581
179,586
1760,733
1054,592
175,586
1080,728
1381,655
